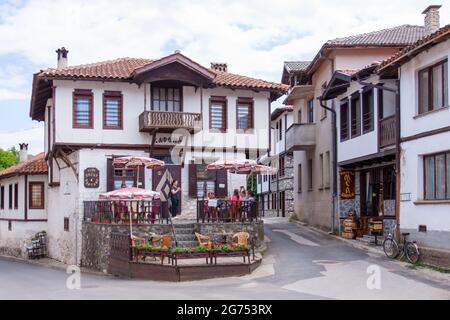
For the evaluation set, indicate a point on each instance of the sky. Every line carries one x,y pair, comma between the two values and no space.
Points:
253,36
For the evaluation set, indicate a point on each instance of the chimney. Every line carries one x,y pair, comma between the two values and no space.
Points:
23,152
223,67
432,23
62,57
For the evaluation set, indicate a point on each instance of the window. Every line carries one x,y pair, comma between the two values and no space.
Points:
281,166
259,178
66,224
321,171
367,109
112,110
437,177
37,196
299,178
433,87
124,178
265,178
344,121
310,175
389,182
166,99
280,127
83,116
244,114
16,196
10,197
327,169
218,113
2,197
355,115
311,111
274,201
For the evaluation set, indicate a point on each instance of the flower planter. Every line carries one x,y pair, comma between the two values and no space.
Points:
96,220
231,253
190,255
127,221
105,220
155,253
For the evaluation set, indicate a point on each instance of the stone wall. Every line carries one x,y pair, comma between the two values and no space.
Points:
96,237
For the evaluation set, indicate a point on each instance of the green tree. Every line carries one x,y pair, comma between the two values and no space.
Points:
8,157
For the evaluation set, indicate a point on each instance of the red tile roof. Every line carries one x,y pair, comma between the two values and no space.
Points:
35,165
122,69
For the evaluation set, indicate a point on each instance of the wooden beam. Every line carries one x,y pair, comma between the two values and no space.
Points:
67,161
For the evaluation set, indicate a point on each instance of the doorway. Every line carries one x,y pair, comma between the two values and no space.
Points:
163,178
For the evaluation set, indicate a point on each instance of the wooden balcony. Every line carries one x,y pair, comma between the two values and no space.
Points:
301,137
387,134
168,122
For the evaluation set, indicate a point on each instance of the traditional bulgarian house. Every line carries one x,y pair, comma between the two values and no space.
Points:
276,191
366,126
23,202
425,135
310,138
172,108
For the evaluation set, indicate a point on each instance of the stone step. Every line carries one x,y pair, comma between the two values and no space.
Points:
183,225
187,243
184,231
185,237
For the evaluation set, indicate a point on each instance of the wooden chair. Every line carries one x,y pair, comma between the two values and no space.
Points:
164,243
242,239
203,240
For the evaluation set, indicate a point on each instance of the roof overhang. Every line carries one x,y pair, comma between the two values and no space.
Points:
338,85
300,92
174,67
40,93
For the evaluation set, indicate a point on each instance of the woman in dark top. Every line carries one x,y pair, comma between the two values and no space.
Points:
175,193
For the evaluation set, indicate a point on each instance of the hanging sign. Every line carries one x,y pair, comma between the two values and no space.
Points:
347,185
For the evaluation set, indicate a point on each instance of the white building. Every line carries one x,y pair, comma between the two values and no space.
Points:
173,109
23,202
425,137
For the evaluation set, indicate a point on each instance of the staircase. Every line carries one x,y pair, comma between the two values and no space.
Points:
185,234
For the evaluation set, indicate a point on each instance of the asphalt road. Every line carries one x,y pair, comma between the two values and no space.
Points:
300,263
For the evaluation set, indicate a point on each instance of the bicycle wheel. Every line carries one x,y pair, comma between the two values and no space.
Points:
390,248
412,252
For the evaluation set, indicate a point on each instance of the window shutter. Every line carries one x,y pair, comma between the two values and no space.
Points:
221,179
109,175
142,177
192,180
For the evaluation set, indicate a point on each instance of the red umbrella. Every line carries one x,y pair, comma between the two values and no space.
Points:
136,162
231,164
257,169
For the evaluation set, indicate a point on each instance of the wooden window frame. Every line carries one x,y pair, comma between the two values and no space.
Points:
371,119
280,130
354,97
30,192
429,70
344,135
10,197
166,89
447,191
16,196
281,165
224,102
82,93
113,95
2,197
251,121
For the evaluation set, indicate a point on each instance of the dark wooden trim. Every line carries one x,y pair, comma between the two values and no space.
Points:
355,96
2,197
250,103
222,100
25,198
85,94
180,87
10,196
429,70
22,220
116,95
30,202
367,157
343,103
426,134
16,196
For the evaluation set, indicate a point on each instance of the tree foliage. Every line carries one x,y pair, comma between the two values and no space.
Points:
8,158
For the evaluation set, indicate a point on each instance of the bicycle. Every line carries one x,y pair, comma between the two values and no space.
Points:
407,248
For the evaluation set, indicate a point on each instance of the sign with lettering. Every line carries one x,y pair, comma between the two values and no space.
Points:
168,139
91,178
347,185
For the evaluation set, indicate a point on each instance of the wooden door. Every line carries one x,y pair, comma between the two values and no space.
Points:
163,178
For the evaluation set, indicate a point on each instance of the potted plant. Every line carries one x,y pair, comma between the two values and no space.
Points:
105,218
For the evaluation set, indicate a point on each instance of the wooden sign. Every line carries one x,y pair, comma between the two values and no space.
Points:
91,178
347,185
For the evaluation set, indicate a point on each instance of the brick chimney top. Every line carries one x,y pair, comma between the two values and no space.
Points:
62,57
432,23
23,152
219,66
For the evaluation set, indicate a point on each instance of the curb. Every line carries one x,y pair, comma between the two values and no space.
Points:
60,266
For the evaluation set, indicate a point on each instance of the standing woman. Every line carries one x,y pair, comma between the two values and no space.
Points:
175,192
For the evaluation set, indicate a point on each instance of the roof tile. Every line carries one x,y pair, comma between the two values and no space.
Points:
35,165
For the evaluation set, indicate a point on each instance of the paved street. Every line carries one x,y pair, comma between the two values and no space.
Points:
299,264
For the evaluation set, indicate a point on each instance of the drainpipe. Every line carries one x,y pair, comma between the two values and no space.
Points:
335,166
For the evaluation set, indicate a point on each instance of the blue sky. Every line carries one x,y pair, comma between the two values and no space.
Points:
254,37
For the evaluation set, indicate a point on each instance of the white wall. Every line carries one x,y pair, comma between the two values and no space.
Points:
14,242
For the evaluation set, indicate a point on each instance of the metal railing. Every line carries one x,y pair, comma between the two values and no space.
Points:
120,212
227,211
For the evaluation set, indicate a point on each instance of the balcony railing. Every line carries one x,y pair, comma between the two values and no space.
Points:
301,137
227,211
169,121
387,132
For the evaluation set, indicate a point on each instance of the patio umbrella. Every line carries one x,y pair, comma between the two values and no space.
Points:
137,162
130,193
231,164
255,169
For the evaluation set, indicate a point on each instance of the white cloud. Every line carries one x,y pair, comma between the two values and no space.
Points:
33,136
254,37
